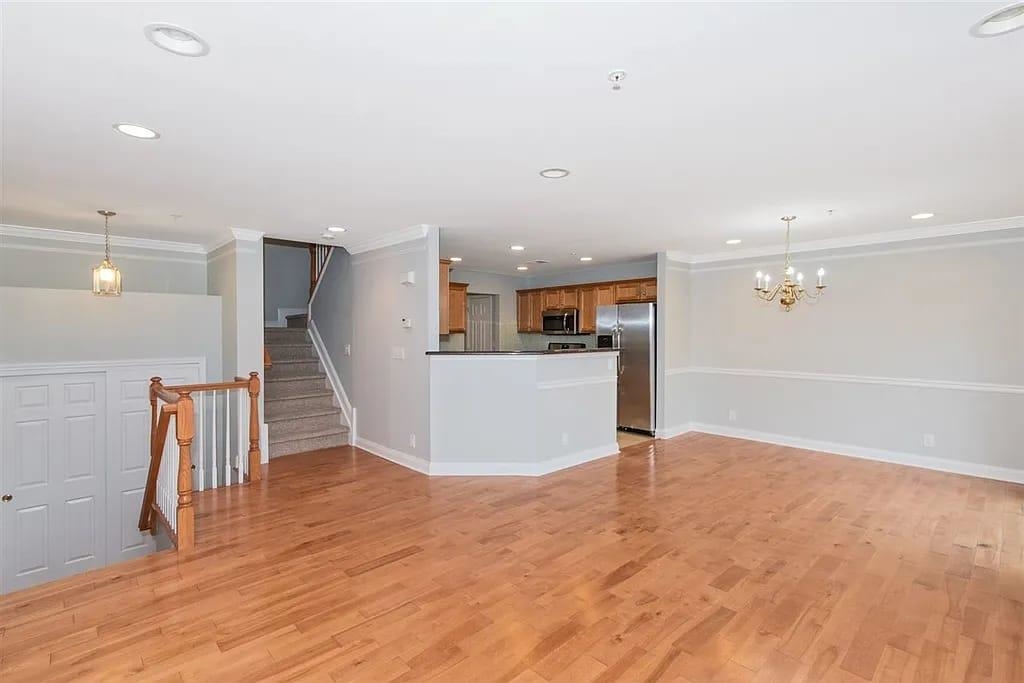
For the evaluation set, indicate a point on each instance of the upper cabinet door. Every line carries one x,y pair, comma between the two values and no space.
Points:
457,293
605,295
523,311
649,289
444,276
552,299
571,297
588,309
536,307
627,291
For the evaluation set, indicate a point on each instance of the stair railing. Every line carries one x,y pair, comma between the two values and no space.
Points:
202,436
318,254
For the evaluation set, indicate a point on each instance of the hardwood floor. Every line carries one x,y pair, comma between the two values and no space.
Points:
696,559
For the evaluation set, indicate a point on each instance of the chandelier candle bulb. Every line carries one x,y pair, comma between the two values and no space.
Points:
760,279
821,277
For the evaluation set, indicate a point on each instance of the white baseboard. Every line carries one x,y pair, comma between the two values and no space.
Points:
487,469
332,377
909,459
413,462
282,317
671,432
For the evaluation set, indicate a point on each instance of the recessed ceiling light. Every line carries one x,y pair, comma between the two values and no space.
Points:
554,173
517,247
336,228
733,241
922,216
136,131
522,267
176,39
327,236
1000,22
586,258
455,259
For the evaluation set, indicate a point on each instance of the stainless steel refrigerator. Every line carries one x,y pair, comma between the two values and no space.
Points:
630,329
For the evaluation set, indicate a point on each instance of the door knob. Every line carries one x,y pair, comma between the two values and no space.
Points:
7,498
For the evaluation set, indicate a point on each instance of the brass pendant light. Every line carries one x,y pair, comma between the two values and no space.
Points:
106,278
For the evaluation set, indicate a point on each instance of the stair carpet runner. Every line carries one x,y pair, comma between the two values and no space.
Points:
299,403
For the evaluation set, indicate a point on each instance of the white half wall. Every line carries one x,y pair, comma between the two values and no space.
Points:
528,414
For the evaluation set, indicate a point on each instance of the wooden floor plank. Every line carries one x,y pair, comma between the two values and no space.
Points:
699,558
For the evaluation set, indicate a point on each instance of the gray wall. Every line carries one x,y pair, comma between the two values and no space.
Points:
909,340
593,273
285,278
361,302
58,264
60,325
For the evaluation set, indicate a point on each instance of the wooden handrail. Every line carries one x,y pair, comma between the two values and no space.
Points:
241,383
178,402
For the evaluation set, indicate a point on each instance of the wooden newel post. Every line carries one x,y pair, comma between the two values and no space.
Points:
154,382
185,422
254,427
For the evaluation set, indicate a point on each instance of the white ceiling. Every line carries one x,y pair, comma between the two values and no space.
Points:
383,116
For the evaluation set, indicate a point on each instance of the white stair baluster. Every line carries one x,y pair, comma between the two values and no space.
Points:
213,443
198,461
227,438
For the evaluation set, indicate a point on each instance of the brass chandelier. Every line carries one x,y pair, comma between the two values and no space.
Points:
789,291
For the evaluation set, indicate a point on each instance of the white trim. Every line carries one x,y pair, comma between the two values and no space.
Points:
581,382
909,459
387,239
282,316
869,239
413,462
332,376
243,235
16,369
948,385
672,432
521,469
97,238
197,260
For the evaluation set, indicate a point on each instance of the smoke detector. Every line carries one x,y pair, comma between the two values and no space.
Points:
616,77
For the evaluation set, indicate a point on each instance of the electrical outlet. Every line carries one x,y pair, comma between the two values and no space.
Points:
565,438
412,441
348,349
398,352
928,440
732,414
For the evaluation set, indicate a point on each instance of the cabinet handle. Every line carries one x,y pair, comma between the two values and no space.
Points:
7,498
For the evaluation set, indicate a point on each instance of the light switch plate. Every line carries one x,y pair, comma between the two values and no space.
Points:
398,352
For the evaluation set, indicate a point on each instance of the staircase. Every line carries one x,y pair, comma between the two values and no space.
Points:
299,403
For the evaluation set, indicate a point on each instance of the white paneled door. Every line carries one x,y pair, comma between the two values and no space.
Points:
52,517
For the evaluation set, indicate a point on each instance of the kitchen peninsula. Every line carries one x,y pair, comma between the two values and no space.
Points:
521,412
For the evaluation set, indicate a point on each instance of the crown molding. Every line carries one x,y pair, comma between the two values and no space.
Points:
852,241
243,235
95,238
388,239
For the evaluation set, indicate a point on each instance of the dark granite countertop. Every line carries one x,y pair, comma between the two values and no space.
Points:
519,353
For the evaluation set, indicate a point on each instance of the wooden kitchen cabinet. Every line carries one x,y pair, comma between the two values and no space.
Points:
627,292
588,309
457,308
443,296
649,289
530,303
570,297
536,308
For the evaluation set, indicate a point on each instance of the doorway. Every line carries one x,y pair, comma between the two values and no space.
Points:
482,323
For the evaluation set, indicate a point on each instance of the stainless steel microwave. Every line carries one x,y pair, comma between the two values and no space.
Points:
561,321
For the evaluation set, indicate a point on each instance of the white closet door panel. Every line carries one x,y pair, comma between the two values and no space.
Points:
52,465
129,424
